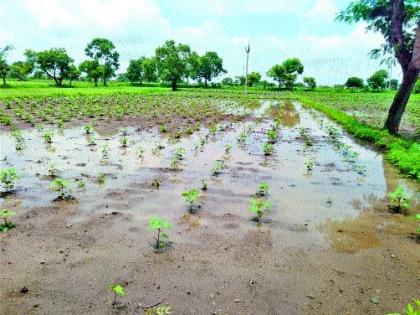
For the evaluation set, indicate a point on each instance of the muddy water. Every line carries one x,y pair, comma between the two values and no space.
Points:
316,219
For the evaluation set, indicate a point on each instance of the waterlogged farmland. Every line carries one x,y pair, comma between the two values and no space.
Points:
272,207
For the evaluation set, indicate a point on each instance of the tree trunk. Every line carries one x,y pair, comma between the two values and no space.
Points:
205,83
401,99
173,84
4,81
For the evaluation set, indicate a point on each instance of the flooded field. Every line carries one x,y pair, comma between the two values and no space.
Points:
327,242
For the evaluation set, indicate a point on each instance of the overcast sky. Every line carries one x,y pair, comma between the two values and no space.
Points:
277,29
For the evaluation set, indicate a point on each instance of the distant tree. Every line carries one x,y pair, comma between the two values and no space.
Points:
149,70
103,51
55,63
4,66
227,81
310,82
254,78
399,22
354,82
74,74
122,77
173,62
417,87
393,84
210,66
287,72
20,70
135,70
378,80
93,70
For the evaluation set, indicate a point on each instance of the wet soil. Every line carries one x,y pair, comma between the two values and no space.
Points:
329,244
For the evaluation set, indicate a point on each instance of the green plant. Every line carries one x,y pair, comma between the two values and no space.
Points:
118,289
158,224
88,129
259,207
228,148
140,152
155,184
100,178
62,186
191,197
410,309
399,199
6,225
309,165
159,310
268,148
263,188
204,185
163,128
272,135
91,141
105,151
8,178
48,135
217,168
124,142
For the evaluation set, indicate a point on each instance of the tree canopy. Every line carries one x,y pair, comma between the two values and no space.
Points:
286,73
55,63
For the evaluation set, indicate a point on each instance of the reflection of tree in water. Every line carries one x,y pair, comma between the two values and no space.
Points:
286,114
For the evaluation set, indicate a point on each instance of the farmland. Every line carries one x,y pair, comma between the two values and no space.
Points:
258,191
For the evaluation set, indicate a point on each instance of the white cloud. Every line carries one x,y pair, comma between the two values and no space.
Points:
323,9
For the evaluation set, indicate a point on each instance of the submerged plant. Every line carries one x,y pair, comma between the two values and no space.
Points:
100,178
259,207
88,129
5,214
124,142
228,148
263,188
204,185
191,197
309,165
8,178
118,290
158,224
52,171
399,199
272,135
48,135
62,186
140,152
105,151
268,148
217,168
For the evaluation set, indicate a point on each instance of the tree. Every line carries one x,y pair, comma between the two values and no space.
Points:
103,51
55,63
149,70
20,70
73,73
378,80
354,82
399,22
254,78
310,82
227,81
4,66
417,87
393,84
173,62
92,69
135,71
287,72
210,66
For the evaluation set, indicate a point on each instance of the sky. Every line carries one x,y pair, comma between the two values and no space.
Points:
330,51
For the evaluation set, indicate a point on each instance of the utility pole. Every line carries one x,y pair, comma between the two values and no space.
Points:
247,50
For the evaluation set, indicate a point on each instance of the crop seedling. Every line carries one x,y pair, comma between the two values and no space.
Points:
309,165
228,148
62,186
100,178
217,168
204,185
399,199
124,142
259,207
8,178
5,214
52,171
272,135
155,184
268,148
158,310
191,197
105,151
118,290
91,141
48,135
140,153
263,189
88,129
158,224
410,309
124,131
163,128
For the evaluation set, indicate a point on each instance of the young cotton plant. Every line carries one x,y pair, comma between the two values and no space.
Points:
62,186
8,178
400,199
262,189
158,224
191,196
118,290
5,214
259,207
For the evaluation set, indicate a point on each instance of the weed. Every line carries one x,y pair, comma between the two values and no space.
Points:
5,214
163,128
399,199
159,310
105,151
52,171
410,309
158,224
8,178
140,153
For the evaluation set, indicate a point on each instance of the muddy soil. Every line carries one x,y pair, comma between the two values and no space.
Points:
329,244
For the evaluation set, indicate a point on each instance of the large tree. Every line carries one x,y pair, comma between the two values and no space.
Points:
377,81
92,69
287,72
55,63
20,70
173,62
210,66
4,66
103,51
399,22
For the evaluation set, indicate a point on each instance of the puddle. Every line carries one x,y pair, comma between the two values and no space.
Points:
347,179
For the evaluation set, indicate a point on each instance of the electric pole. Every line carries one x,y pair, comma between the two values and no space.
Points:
247,50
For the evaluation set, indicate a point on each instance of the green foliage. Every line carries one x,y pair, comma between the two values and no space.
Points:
378,80
48,135
93,70
217,168
103,51
309,165
118,289
268,148
191,196
8,178
5,214
159,310
207,67
173,62
310,83
142,69
4,66
158,224
259,207
286,73
272,135
62,186
355,82
55,63
399,199
20,70
263,188
410,309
